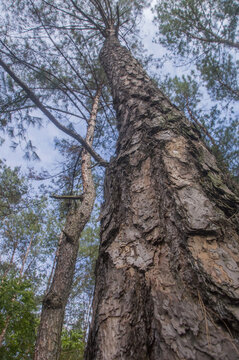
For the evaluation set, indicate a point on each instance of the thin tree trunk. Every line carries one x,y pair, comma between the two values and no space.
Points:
11,261
4,330
25,257
49,280
48,343
167,277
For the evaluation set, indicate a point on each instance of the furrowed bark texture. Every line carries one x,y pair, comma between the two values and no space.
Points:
167,278
48,343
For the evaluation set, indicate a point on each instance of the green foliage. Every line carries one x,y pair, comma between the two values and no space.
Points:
88,253
204,33
30,221
29,229
72,345
57,57
12,188
217,124
28,239
16,116
18,316
204,36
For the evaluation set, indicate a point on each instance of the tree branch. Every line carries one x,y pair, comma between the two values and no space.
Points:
88,18
216,40
67,197
52,118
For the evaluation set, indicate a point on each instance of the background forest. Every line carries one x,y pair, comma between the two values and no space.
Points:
49,46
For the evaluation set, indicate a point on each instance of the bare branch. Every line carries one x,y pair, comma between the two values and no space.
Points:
67,197
97,4
62,54
38,70
52,118
88,18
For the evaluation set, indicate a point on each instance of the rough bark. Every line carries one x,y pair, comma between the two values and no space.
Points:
48,343
167,277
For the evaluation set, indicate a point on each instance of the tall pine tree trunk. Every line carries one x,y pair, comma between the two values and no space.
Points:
167,278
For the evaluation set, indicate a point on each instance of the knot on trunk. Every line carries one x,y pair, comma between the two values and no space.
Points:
52,301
